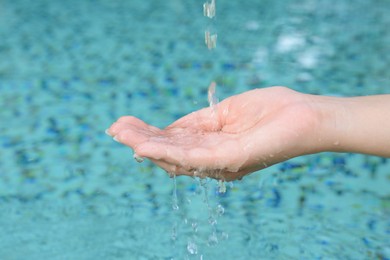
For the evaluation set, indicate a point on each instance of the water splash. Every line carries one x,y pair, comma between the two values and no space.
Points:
193,247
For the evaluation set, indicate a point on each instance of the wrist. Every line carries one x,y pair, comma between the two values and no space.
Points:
353,124
331,126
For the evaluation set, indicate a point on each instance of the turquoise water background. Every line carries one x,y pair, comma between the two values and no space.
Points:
68,69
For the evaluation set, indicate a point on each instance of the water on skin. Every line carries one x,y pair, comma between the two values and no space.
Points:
213,101
213,213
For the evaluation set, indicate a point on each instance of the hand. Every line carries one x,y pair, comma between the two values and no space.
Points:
240,135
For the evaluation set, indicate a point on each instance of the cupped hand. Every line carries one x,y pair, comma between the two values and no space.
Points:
240,135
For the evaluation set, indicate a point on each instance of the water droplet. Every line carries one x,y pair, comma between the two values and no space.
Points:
209,9
139,159
192,248
107,133
210,39
221,186
213,240
197,173
194,226
212,221
220,210
174,233
203,183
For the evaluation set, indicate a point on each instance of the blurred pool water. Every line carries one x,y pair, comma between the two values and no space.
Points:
68,69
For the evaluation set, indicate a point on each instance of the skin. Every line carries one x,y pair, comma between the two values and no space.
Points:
259,128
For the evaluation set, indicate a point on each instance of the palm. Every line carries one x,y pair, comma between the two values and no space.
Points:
242,134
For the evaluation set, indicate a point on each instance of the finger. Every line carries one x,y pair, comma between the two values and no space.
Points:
132,136
117,127
218,156
207,119
125,121
132,120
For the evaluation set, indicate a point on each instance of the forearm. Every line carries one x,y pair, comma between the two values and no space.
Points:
357,124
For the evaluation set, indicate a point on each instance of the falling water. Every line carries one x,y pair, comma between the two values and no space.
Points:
212,97
210,39
193,246
209,10
213,101
175,207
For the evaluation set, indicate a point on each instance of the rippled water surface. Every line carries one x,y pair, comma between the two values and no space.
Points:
68,69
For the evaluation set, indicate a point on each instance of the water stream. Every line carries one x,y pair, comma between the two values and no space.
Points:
209,10
195,240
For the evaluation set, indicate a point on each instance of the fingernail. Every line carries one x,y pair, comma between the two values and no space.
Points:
116,139
107,133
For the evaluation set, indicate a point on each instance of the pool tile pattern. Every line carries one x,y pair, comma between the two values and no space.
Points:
69,69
